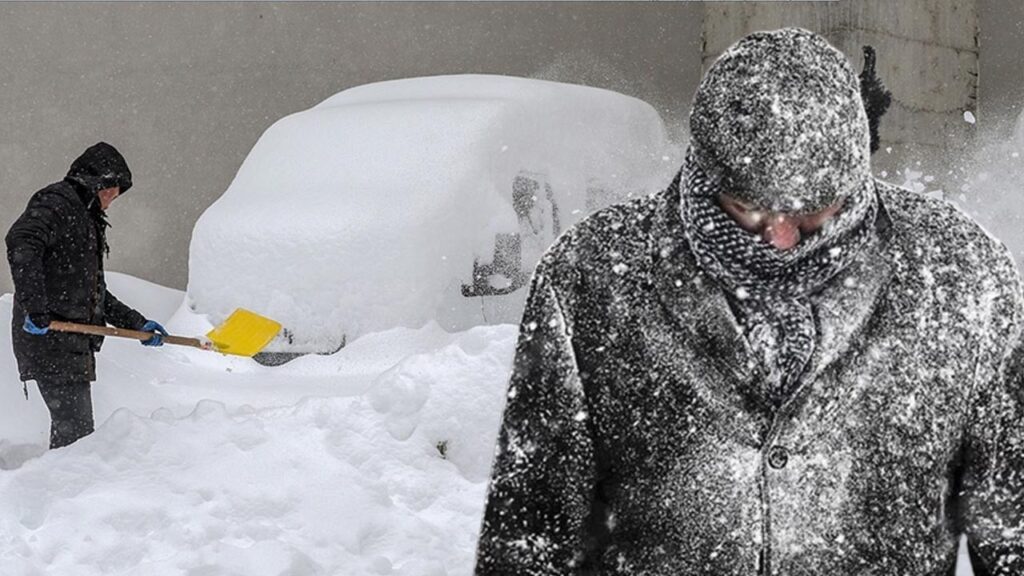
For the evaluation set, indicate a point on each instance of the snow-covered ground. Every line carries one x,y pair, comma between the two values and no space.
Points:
373,460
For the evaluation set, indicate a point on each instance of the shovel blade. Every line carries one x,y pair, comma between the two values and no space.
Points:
244,333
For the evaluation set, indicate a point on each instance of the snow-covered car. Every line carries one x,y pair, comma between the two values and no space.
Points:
409,201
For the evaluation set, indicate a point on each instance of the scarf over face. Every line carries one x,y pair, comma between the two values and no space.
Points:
768,288
778,123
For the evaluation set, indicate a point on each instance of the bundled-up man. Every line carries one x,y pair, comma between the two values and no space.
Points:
777,365
56,250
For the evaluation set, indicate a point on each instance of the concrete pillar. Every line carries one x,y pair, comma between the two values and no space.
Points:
927,56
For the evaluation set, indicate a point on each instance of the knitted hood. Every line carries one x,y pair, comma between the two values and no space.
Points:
101,166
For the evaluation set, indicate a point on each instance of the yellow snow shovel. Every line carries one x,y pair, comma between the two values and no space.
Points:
244,333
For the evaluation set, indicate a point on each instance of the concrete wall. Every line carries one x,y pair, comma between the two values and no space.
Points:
1001,77
185,89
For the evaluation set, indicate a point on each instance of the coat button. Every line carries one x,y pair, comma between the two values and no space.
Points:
778,457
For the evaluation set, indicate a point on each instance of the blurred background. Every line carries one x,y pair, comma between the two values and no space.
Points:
184,90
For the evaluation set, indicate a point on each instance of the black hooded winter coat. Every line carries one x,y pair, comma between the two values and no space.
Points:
55,250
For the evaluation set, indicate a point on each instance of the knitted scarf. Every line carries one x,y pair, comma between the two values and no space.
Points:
768,288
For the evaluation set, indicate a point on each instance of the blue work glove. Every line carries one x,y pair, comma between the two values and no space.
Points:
38,325
158,333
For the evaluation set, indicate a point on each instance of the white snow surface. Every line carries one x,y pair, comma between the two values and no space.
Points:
207,465
367,211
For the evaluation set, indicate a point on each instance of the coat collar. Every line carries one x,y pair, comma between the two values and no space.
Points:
699,306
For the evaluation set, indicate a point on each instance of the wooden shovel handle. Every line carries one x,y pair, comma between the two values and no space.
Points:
61,326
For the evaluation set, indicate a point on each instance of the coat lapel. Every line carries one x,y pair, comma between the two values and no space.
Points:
698,306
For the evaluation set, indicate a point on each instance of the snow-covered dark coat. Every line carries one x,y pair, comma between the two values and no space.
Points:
55,250
637,440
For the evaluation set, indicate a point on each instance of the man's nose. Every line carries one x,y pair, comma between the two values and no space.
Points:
781,231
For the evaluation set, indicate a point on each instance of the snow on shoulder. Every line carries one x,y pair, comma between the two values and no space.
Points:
401,202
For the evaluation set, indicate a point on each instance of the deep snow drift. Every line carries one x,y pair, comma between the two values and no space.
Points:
370,461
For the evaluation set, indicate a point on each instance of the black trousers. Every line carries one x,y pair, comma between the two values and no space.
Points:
70,405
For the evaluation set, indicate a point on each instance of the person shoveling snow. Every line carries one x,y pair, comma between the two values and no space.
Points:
56,250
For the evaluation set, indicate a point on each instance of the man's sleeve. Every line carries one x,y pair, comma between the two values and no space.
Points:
542,479
992,489
28,240
119,314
